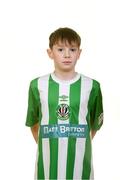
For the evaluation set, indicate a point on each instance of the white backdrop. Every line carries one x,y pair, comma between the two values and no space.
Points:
24,30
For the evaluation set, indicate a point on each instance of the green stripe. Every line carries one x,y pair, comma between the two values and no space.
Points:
34,104
74,105
53,103
40,170
87,159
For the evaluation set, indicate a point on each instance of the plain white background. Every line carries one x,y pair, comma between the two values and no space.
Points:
25,27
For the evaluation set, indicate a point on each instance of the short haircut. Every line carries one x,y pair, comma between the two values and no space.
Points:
64,35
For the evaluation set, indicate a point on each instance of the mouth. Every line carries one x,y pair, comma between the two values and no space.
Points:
67,62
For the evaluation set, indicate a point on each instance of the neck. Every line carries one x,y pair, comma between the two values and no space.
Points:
65,75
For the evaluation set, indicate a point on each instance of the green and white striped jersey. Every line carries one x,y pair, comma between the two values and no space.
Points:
67,111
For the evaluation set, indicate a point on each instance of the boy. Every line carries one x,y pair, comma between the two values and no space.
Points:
64,112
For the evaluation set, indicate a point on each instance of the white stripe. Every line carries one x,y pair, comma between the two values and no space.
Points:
35,175
62,142
92,170
36,163
86,86
43,89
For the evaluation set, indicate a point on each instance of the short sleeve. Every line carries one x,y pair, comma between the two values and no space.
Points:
34,106
96,113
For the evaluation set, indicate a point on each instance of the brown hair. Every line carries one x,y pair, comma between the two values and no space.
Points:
64,35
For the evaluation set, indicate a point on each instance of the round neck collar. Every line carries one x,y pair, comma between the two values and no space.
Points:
70,81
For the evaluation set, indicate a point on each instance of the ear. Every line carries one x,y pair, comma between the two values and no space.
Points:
50,54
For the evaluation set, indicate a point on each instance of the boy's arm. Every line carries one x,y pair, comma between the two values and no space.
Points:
34,130
93,132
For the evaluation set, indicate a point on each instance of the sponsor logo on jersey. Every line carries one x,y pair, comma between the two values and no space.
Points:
63,130
63,98
63,111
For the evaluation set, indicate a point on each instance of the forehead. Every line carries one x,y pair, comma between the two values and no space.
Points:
66,43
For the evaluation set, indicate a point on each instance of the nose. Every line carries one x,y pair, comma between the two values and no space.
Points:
66,53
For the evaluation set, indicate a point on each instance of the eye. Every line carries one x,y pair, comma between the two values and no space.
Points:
60,49
73,49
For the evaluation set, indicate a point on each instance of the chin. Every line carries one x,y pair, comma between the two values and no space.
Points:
66,69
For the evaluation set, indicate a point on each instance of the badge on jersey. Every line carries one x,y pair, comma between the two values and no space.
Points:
63,112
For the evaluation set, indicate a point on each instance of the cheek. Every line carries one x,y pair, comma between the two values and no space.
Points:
75,60
77,55
57,56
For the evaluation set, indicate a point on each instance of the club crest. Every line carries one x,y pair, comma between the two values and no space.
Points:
63,111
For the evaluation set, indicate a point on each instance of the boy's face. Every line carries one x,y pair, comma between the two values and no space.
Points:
65,55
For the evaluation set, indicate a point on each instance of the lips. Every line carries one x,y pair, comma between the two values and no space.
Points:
67,62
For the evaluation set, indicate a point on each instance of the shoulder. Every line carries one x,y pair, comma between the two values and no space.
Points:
95,84
34,82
